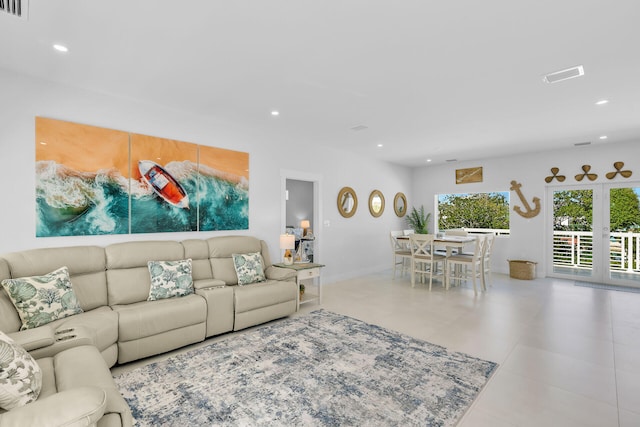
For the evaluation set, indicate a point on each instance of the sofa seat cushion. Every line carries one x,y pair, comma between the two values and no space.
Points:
264,294
102,324
148,318
97,327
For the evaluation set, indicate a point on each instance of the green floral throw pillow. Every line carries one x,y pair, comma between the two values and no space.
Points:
42,299
170,279
20,375
249,268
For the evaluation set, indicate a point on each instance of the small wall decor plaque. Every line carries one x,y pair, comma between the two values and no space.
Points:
555,175
465,176
619,166
590,176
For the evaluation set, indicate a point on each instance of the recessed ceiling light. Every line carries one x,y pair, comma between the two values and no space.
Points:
60,48
379,145
43,143
602,102
275,113
428,160
566,74
603,137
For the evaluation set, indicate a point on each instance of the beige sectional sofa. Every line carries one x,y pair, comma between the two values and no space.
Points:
112,286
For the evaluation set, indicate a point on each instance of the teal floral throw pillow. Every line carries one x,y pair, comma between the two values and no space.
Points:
43,299
249,268
20,375
170,279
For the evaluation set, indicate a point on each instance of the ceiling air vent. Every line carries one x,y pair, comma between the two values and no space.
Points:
17,8
569,73
580,144
359,128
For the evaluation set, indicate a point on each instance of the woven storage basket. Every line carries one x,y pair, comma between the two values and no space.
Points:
521,269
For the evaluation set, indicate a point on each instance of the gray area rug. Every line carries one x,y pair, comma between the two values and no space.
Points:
322,369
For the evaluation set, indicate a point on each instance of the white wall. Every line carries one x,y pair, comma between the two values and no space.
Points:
527,240
348,247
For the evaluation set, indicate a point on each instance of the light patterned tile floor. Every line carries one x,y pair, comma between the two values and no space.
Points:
568,355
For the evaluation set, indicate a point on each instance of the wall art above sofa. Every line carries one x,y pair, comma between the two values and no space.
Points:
92,181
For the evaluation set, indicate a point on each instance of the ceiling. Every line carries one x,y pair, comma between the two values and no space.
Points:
459,79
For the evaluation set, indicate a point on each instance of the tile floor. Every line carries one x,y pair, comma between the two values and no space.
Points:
568,355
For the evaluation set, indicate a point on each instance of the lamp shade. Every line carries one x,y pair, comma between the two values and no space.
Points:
287,241
305,223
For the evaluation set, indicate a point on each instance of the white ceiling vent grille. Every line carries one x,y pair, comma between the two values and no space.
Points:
17,8
569,73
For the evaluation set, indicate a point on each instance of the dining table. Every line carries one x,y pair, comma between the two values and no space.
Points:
449,242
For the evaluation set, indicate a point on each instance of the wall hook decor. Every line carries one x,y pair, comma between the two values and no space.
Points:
619,166
555,175
586,169
527,212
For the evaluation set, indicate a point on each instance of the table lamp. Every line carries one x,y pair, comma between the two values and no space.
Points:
287,242
305,224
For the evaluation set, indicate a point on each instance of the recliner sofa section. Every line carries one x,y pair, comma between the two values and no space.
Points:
118,324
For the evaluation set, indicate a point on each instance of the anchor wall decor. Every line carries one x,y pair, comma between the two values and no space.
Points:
528,212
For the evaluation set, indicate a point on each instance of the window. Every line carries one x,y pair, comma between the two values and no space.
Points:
476,212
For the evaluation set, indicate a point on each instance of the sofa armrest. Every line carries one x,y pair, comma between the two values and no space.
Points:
33,339
82,406
208,283
279,273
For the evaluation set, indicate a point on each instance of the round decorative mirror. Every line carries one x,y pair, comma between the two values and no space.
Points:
400,204
347,202
376,203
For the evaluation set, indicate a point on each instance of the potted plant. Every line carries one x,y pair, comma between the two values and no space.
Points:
418,221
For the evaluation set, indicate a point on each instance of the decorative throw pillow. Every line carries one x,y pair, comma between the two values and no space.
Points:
43,299
20,375
170,279
249,268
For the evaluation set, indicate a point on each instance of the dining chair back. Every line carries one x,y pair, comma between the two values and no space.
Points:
424,260
486,260
462,267
400,253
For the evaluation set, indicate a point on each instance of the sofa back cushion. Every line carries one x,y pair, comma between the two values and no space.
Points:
128,278
221,250
9,319
86,266
198,251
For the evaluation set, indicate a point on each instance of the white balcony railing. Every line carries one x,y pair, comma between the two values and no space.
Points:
575,249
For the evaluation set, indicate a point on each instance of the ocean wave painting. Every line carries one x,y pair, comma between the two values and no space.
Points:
92,181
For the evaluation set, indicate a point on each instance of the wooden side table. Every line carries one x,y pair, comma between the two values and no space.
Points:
307,271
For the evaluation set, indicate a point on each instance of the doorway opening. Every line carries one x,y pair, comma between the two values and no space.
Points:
301,212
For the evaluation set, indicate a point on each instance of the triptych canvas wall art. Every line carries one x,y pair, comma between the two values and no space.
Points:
91,181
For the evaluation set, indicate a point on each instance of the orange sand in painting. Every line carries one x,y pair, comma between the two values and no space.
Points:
233,162
81,147
160,151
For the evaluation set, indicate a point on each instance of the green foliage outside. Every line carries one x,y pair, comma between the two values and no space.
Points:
474,210
572,210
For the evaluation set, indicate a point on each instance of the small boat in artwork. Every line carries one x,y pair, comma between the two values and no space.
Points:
163,184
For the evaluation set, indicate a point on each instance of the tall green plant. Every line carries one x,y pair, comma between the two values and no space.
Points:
418,220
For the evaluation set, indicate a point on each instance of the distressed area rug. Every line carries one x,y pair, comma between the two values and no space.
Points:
322,369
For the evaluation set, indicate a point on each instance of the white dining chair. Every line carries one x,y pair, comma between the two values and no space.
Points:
401,255
457,232
423,259
463,267
486,260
